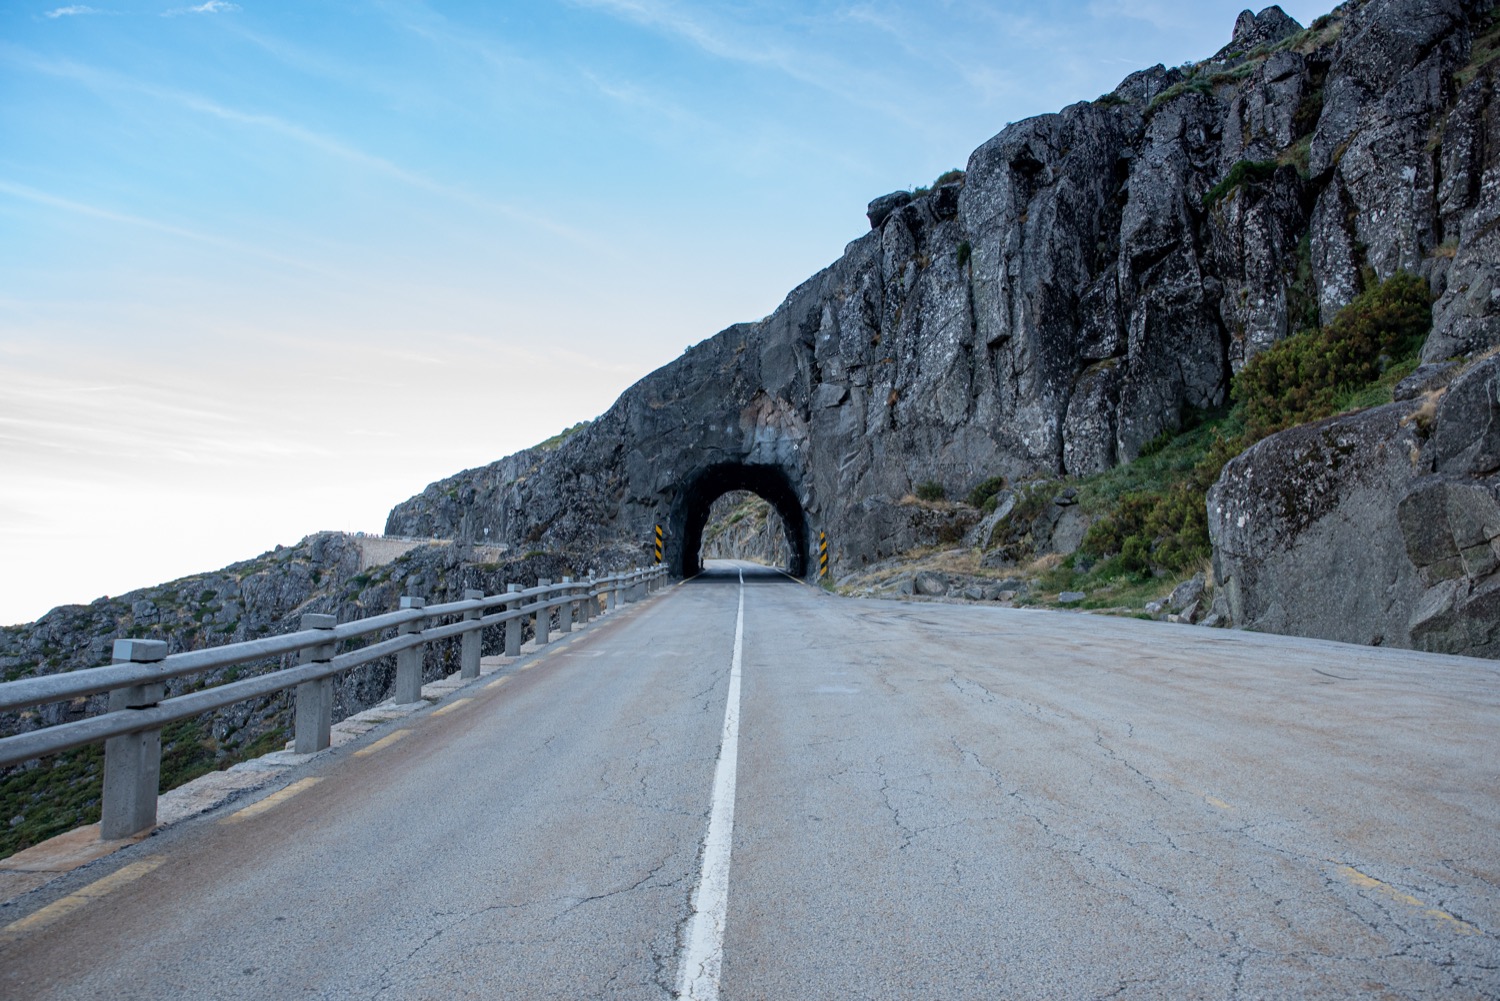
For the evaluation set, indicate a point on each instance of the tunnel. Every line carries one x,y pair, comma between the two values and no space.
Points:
769,482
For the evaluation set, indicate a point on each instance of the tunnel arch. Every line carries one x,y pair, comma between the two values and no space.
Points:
767,481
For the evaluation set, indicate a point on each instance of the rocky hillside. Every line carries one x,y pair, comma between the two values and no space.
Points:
1088,287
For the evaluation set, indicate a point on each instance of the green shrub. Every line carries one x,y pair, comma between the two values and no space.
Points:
1244,172
932,490
1165,528
1161,441
986,491
948,177
964,253
1301,379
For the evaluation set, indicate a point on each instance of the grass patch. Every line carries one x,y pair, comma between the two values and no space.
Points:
1242,173
57,794
1106,587
1195,84
1158,468
556,440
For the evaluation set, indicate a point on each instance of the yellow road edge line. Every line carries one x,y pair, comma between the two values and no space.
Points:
1366,882
451,706
382,743
276,798
497,683
67,905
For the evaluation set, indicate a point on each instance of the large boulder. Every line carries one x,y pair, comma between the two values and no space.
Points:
1306,539
1381,527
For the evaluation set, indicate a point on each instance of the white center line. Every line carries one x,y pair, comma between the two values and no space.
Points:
703,948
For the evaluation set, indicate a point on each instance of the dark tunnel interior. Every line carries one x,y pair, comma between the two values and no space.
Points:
770,482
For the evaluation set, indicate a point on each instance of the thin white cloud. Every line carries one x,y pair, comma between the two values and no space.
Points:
740,44
105,82
211,7
73,10
37,197
1158,15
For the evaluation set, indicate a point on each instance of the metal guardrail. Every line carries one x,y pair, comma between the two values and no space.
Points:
136,681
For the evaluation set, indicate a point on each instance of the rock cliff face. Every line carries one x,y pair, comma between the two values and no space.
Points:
1053,308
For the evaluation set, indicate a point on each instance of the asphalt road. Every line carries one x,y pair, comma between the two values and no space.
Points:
929,801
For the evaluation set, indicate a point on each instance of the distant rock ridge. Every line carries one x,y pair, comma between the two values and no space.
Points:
1090,277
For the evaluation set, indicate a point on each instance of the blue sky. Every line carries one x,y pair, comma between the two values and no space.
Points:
269,268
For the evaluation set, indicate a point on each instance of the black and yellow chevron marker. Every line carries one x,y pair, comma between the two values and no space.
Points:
658,543
822,554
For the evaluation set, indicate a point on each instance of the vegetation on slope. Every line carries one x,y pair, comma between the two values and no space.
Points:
1150,516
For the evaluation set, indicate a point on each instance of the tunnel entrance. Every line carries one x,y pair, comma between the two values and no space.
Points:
770,483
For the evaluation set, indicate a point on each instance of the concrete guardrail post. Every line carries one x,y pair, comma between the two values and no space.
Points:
409,662
468,656
132,762
542,627
513,626
314,719
565,610
609,593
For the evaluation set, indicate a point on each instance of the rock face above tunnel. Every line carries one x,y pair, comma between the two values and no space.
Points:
1092,274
